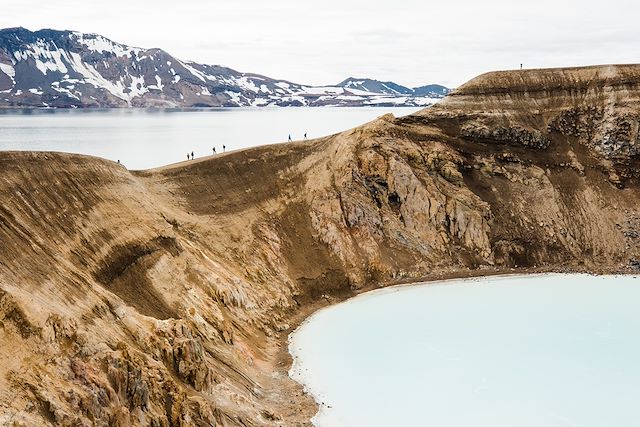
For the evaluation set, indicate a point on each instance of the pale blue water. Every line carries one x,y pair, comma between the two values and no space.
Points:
146,138
552,350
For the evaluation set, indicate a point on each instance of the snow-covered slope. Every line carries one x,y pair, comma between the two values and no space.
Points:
50,68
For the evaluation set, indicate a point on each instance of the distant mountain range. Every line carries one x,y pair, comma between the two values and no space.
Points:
50,68
391,88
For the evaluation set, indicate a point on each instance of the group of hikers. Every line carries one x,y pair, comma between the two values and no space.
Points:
191,156
305,137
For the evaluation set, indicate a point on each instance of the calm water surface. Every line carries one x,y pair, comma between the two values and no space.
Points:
552,350
144,138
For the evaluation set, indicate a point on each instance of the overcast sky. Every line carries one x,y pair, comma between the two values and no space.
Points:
411,42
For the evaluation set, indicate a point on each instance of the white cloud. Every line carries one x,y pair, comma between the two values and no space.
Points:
411,42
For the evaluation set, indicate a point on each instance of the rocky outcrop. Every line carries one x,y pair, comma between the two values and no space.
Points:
164,297
505,135
613,134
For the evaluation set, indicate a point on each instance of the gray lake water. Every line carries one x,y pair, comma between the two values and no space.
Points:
145,138
525,351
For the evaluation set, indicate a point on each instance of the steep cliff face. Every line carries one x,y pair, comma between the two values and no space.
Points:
549,146
164,297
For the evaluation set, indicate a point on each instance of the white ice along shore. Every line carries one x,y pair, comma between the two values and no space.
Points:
536,350
72,69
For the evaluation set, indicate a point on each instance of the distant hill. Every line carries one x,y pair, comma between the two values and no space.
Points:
394,89
50,68
433,91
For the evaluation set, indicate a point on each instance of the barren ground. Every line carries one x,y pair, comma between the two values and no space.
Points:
164,297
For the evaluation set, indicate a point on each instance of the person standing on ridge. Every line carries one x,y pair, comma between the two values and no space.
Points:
188,156
214,150
305,136
192,155
289,137
224,148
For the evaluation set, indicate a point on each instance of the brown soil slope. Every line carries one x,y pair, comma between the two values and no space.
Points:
163,297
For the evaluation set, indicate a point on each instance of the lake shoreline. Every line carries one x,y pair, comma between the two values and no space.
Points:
286,360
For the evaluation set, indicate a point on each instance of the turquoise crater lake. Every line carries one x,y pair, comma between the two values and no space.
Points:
539,350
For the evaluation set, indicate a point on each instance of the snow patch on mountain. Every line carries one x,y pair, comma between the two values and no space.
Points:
8,70
97,43
194,72
93,77
158,85
47,57
72,69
